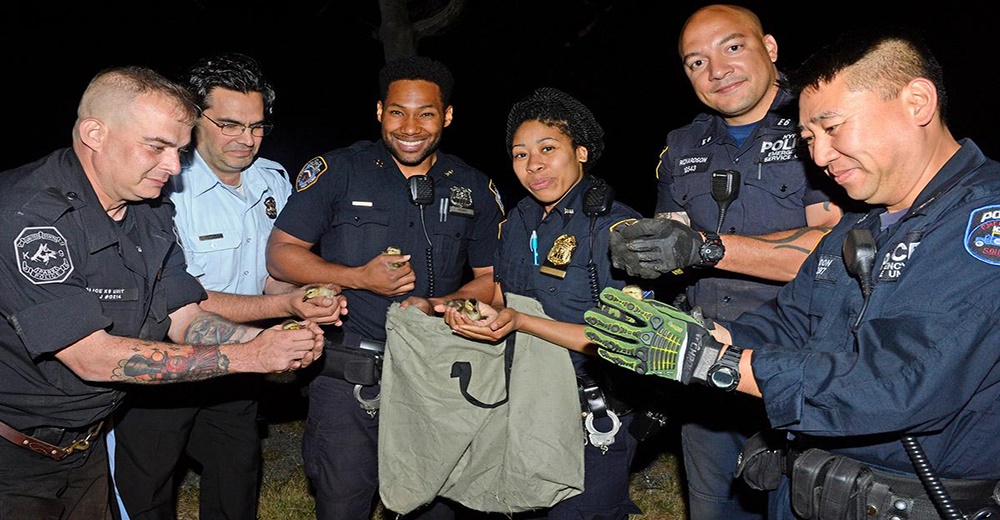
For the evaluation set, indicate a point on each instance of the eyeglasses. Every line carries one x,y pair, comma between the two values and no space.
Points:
235,129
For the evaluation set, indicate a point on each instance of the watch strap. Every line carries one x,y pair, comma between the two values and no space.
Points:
731,357
730,362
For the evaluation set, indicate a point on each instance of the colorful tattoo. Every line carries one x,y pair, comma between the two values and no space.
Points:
186,363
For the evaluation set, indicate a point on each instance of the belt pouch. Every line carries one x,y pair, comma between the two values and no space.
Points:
354,365
762,461
824,485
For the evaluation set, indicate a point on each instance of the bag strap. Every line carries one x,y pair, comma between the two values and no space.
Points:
463,371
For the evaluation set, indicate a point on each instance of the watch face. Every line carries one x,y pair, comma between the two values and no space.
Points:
724,377
713,253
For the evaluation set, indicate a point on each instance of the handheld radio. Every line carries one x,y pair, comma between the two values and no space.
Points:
422,194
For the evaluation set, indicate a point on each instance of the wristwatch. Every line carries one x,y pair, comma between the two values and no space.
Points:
712,250
725,373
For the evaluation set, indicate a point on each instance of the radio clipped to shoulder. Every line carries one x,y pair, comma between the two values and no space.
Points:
421,190
598,198
597,201
422,195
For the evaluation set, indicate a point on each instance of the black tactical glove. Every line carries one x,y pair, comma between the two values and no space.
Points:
654,246
650,337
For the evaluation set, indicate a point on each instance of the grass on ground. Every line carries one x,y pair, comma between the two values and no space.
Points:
656,483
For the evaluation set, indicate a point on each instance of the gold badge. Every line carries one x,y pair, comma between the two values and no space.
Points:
557,261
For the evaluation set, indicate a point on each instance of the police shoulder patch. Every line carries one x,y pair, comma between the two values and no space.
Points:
310,173
43,255
982,235
625,223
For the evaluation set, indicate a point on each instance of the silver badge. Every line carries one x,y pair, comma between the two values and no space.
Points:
460,201
271,207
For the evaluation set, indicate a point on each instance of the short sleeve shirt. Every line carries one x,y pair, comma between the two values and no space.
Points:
224,231
70,270
355,203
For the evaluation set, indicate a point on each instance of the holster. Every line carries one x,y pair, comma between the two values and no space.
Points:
762,460
352,358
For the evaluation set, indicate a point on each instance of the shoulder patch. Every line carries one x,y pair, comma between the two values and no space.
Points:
310,173
43,255
982,236
624,223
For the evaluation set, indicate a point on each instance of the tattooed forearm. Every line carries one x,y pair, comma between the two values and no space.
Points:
181,363
210,329
788,242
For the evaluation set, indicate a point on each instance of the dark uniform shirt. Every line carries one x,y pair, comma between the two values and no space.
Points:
776,184
71,271
925,359
354,202
563,299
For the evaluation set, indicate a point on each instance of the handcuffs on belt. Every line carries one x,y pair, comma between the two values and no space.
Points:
593,398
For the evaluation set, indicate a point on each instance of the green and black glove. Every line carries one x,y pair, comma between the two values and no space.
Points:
649,337
654,246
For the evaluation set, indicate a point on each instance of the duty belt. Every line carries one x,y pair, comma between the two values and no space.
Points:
357,360
827,486
56,453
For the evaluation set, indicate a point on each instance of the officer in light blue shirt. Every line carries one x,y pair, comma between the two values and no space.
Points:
226,201
224,227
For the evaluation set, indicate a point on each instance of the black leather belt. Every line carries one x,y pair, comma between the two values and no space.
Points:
54,452
827,486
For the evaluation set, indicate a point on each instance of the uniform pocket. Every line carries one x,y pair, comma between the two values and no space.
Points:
360,233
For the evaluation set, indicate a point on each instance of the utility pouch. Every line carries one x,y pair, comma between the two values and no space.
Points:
353,359
762,461
828,487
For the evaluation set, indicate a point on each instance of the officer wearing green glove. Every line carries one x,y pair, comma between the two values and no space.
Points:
654,338
883,382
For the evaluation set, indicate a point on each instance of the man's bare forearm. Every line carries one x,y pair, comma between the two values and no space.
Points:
243,308
776,256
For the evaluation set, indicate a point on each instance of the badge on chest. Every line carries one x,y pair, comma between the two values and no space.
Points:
557,261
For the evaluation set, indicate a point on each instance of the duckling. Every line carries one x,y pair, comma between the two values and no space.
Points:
291,325
469,307
321,291
392,250
633,290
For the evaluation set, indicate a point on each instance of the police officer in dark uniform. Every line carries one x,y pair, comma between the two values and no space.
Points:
440,215
738,210
886,381
93,286
554,248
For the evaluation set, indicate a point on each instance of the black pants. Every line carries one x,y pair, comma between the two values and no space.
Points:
340,450
215,423
33,486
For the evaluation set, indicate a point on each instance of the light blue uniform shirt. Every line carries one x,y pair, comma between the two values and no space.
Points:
224,234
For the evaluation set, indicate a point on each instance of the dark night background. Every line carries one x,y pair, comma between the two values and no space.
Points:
617,56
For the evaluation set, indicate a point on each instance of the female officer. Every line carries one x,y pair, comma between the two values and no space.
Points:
554,248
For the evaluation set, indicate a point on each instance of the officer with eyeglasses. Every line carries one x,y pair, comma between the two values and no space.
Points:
227,200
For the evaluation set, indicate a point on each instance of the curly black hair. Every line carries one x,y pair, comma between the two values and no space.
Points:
232,71
418,68
556,108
